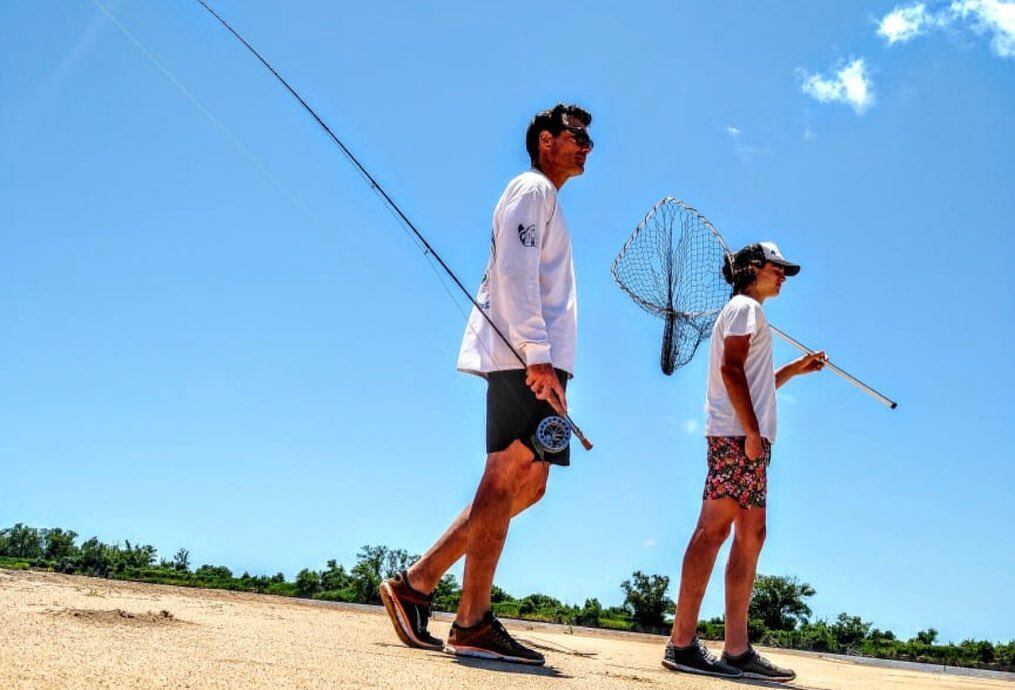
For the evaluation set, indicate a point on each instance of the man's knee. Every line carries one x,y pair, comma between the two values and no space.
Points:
538,491
536,486
508,470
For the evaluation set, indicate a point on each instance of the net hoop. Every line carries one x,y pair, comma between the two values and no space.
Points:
672,267
665,201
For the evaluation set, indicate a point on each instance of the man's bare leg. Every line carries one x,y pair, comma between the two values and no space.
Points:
711,531
511,482
511,478
425,573
748,538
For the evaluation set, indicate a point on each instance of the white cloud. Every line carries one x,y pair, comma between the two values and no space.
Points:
745,151
690,426
809,134
990,17
786,397
993,18
905,23
649,543
851,85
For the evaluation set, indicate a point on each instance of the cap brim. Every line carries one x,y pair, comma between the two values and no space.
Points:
788,268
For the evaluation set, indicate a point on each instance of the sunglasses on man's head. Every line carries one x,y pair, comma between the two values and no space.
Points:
581,136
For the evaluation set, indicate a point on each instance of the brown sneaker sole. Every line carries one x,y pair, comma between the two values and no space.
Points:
480,653
400,619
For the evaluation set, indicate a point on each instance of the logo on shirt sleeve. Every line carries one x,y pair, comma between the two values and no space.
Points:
484,292
527,235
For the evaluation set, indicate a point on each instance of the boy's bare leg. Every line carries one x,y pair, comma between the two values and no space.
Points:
711,531
748,538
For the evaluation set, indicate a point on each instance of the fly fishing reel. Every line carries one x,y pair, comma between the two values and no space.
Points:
553,434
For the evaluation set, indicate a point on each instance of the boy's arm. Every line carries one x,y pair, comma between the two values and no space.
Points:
735,349
804,365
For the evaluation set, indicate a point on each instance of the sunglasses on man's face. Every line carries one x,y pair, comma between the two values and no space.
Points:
581,137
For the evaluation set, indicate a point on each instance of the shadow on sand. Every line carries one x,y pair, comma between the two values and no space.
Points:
769,683
488,664
505,667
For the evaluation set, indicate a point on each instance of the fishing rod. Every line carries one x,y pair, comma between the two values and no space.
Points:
375,185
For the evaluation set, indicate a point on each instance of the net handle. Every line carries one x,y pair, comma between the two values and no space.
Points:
852,379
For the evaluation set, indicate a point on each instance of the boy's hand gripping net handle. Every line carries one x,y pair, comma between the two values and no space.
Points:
852,379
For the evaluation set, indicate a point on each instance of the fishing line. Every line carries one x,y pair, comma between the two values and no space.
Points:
427,249
247,153
214,120
405,224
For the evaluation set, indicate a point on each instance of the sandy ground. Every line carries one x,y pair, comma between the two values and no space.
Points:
61,631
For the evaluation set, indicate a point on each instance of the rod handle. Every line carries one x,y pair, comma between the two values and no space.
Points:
586,444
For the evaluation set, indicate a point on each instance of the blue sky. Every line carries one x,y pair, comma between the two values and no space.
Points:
227,343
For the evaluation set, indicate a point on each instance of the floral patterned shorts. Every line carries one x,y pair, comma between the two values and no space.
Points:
731,474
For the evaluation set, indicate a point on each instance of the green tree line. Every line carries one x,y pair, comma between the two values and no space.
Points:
779,613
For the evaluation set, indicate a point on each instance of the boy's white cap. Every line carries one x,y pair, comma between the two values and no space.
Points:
773,255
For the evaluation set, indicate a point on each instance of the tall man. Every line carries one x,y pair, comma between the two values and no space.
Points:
529,294
740,428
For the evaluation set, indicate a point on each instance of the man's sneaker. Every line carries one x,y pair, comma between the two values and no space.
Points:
696,658
753,665
409,611
489,640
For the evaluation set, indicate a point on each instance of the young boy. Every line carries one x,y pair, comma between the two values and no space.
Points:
740,428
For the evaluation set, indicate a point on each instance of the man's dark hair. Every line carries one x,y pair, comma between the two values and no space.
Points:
552,121
744,268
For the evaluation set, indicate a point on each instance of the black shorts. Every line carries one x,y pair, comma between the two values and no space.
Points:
514,412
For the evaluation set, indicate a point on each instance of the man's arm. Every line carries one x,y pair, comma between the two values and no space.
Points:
735,349
804,365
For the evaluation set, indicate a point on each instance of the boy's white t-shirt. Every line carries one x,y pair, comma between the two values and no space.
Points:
742,315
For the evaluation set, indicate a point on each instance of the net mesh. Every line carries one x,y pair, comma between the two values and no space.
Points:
671,266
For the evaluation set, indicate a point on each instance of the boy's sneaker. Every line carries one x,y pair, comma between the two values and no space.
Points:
696,658
409,611
489,640
753,665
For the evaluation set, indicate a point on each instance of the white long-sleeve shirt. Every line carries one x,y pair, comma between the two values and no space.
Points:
529,286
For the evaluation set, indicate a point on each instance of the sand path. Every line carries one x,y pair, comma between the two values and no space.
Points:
61,631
